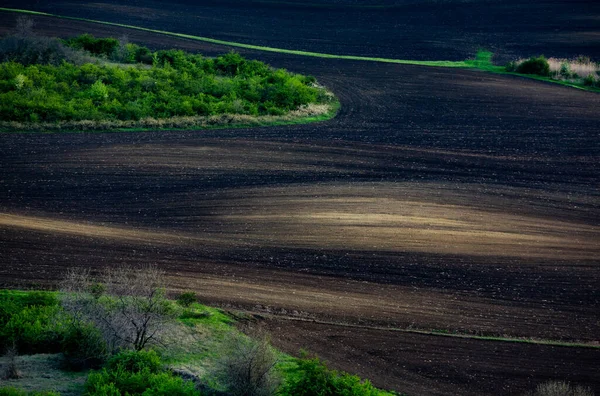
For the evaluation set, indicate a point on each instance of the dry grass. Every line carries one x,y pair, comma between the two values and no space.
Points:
571,70
560,388
578,68
43,372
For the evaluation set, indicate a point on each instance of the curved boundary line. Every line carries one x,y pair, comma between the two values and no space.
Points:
460,64
531,341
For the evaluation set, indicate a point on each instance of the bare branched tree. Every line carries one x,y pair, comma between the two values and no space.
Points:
11,369
128,305
247,365
24,27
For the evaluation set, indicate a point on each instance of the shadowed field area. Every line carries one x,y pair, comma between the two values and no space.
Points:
437,199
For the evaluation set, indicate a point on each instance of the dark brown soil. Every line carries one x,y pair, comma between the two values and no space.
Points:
437,199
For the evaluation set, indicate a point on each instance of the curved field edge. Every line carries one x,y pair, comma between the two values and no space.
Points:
482,63
442,333
304,115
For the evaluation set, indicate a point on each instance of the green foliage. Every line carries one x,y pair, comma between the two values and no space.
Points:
591,81
83,347
186,299
136,373
313,378
97,46
179,84
135,361
35,329
97,290
10,391
534,65
30,321
565,70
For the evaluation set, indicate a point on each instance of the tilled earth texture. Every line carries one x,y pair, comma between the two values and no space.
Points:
438,199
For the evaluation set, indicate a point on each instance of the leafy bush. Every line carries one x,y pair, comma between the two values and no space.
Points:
35,329
534,65
314,378
591,81
97,46
28,317
136,373
135,361
186,299
83,347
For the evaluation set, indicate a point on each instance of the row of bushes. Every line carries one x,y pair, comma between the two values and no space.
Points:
177,84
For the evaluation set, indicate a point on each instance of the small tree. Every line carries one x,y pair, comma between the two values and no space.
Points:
11,370
133,311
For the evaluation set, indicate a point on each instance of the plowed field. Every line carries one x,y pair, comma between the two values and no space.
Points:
437,199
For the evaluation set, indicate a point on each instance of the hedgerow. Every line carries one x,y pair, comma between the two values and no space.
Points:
161,84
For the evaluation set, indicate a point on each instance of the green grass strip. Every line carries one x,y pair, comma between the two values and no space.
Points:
253,47
482,60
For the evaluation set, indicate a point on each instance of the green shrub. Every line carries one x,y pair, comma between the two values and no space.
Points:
533,65
590,81
166,384
135,361
565,70
186,299
97,46
136,373
314,378
83,347
28,317
35,329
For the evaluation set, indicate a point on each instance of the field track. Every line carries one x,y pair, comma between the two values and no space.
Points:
437,199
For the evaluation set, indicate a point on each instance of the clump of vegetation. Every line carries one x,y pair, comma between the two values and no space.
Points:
136,373
534,65
313,377
246,366
46,80
30,323
186,299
